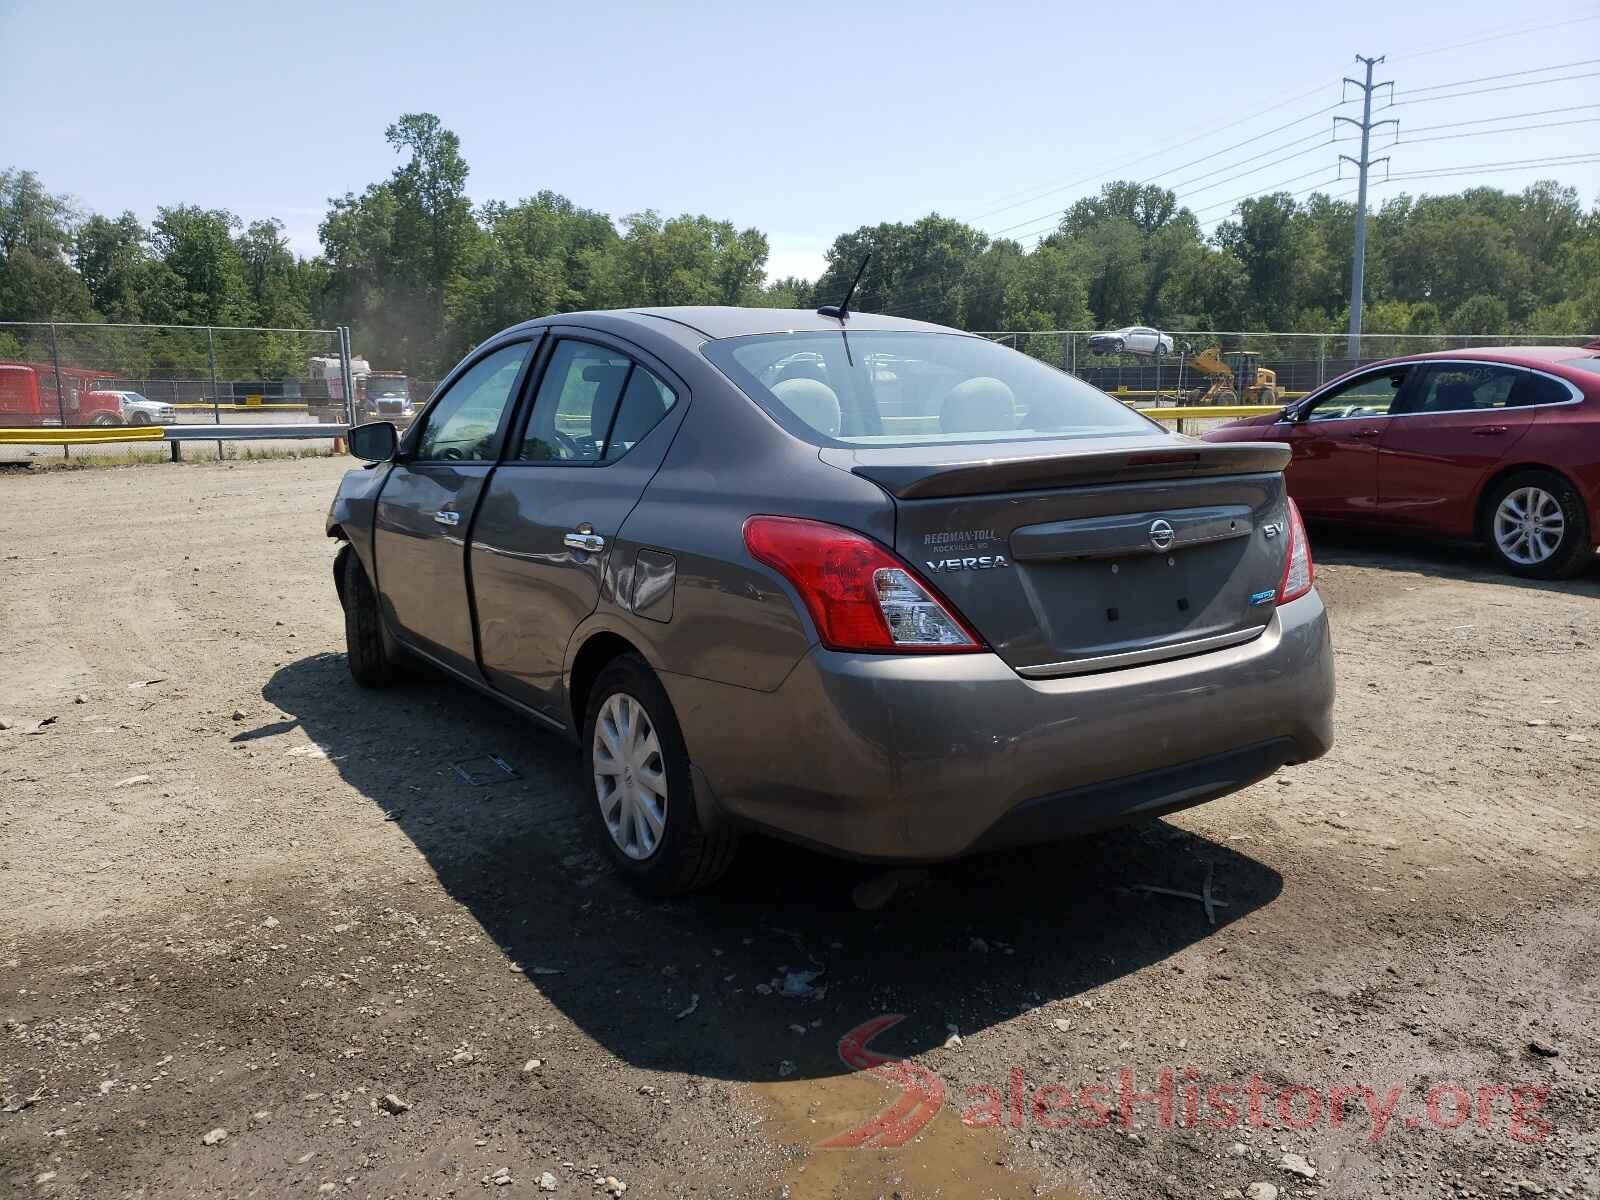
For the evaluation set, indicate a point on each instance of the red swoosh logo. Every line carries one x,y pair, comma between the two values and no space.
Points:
921,1091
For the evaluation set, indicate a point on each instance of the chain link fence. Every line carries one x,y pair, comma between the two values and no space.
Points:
101,376
1239,367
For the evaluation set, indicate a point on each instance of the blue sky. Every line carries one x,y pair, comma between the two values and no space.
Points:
803,120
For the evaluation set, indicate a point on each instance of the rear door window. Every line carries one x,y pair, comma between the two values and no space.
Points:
593,406
1464,387
645,400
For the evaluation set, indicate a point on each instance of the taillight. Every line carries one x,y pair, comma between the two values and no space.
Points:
861,596
1299,572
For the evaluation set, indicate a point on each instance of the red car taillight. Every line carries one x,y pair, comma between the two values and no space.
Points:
861,596
1299,572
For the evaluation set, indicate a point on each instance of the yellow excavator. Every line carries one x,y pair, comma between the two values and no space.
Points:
1236,377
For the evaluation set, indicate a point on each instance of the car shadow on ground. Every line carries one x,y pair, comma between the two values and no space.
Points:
969,944
1466,561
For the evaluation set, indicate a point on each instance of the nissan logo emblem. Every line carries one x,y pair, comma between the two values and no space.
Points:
1162,535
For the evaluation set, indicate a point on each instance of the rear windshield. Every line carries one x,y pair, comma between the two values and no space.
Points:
1583,364
891,388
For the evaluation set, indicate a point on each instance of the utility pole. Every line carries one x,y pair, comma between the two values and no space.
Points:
1358,265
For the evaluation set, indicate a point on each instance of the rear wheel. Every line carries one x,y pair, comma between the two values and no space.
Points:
371,664
1537,526
643,792
106,418
1225,396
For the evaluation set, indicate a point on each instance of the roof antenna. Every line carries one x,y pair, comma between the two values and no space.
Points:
842,309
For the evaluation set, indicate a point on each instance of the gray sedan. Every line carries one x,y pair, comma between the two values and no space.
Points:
876,586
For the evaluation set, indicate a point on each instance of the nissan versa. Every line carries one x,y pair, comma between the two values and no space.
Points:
877,586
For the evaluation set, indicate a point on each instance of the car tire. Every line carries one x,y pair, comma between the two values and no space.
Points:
628,710
139,418
371,664
1546,494
104,419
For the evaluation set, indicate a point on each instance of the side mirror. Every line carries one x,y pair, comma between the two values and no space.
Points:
376,442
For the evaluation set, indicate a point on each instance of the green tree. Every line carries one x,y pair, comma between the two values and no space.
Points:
535,257
37,283
1481,314
394,250
682,260
918,270
1271,237
196,245
113,257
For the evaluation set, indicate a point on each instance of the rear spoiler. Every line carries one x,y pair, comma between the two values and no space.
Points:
916,473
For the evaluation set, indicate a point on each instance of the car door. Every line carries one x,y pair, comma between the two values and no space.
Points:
1334,436
425,510
1457,422
543,543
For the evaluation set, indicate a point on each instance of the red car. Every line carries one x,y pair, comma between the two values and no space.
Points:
1501,445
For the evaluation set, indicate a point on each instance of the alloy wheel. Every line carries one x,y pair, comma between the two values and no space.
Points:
1529,526
630,778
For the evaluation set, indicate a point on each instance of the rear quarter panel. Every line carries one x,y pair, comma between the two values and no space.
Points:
733,620
1568,439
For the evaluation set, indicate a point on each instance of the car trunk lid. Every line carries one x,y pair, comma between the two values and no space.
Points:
1076,556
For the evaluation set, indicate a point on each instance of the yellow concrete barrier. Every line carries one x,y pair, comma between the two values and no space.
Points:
1229,412
81,435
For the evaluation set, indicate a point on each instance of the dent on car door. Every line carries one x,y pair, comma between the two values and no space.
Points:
1333,471
545,542
425,509
1459,421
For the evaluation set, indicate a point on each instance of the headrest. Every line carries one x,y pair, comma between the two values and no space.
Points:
813,401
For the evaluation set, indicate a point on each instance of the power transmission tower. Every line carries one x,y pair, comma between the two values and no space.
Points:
1358,265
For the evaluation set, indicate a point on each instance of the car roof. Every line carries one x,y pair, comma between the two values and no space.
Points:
1524,356
715,321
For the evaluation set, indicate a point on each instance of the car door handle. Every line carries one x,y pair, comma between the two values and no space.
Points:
1490,430
592,542
1367,433
446,517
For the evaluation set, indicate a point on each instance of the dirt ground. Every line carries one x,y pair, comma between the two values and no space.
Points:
260,938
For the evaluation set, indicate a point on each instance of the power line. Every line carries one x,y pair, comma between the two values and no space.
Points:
1439,87
1267,191
1494,36
1187,139
1450,137
1179,186
1054,213
1538,112
1504,87
1561,160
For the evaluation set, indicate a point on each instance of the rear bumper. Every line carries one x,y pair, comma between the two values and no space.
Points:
925,758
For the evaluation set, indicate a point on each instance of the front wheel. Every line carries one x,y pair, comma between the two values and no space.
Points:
642,797
1537,526
371,664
